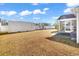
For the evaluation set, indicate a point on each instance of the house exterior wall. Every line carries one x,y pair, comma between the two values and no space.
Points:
65,25
19,26
4,28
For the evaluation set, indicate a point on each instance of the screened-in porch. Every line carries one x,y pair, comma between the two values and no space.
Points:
67,26
67,23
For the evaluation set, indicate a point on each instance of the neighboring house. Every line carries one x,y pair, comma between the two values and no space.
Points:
67,23
3,26
70,24
19,26
16,26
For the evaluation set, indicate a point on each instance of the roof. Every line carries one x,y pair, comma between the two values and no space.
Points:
67,16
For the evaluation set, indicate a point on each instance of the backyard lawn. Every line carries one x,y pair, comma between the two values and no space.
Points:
34,43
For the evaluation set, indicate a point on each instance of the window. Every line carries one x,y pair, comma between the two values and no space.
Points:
4,23
67,29
67,26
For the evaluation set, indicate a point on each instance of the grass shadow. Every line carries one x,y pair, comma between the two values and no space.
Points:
6,33
64,39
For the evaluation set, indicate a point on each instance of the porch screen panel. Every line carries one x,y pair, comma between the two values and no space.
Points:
61,25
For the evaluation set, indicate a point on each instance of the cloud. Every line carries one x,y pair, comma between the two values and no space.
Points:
11,13
25,13
67,10
38,11
55,17
8,13
36,18
21,18
45,9
35,3
70,5
73,3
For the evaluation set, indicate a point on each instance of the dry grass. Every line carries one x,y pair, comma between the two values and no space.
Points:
34,43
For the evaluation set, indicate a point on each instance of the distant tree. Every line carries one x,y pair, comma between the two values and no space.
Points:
41,25
45,24
37,24
56,25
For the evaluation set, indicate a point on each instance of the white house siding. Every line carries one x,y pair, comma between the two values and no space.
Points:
4,29
65,21
19,26
0,26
